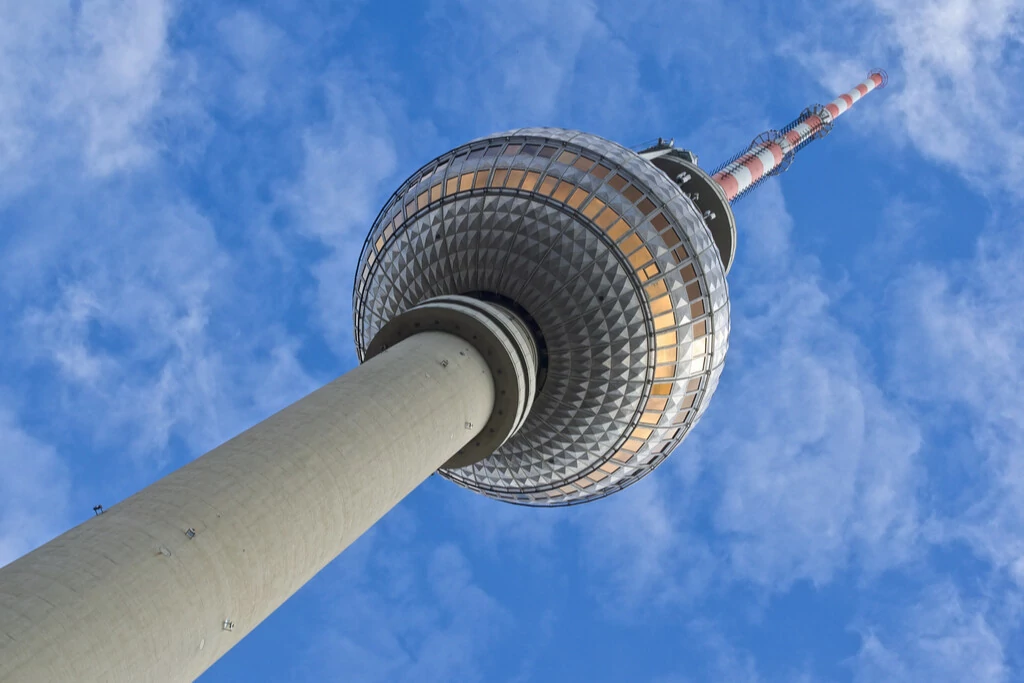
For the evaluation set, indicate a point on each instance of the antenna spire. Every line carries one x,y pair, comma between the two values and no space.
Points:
772,152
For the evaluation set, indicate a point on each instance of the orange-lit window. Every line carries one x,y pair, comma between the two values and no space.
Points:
630,244
451,186
498,179
421,200
607,217
389,231
661,389
583,483
379,244
666,355
665,339
399,219
664,371
661,305
514,178
371,258
435,192
562,191
584,164
566,157
688,401
609,468
577,197
593,208
597,476
657,403
481,179
601,171
633,445
671,238
652,270
651,417
532,178
697,309
622,456
639,258
643,432
656,289
700,329
618,230
547,187
465,182
665,321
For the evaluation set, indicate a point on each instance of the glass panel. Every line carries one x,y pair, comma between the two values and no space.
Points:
665,339
563,190
659,222
435,192
662,305
693,384
531,150
584,164
646,206
664,321
451,186
577,197
548,186
657,403
688,273
498,179
697,309
671,238
664,371
609,468
700,329
632,193
618,182
693,290
547,152
532,178
679,254
465,182
514,178
511,149
639,258
662,389
630,244
651,417
593,208
481,178
666,355
601,171
566,157
656,289
618,230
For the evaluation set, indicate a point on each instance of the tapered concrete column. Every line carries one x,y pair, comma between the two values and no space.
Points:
161,585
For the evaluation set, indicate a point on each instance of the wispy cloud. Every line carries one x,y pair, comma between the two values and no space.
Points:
34,489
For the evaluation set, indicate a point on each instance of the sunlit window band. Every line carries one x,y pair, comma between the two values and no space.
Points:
654,231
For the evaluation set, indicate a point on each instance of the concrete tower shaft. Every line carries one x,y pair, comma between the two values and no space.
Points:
158,587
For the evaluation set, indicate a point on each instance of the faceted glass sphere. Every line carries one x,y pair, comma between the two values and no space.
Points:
605,258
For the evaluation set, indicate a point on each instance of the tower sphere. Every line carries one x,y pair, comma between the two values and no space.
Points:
608,263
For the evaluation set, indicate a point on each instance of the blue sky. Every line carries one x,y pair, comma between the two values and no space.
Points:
184,191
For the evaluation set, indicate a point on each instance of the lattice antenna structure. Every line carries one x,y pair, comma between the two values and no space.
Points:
772,152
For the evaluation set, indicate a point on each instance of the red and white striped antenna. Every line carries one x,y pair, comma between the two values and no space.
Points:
772,152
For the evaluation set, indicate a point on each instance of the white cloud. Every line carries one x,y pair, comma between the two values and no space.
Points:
817,468
940,638
959,354
34,490
955,69
79,84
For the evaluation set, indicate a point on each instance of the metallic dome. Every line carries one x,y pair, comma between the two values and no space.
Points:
608,262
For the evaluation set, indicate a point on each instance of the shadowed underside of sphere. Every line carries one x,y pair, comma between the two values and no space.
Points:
612,265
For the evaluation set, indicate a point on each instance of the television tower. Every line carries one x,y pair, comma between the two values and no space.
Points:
541,316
